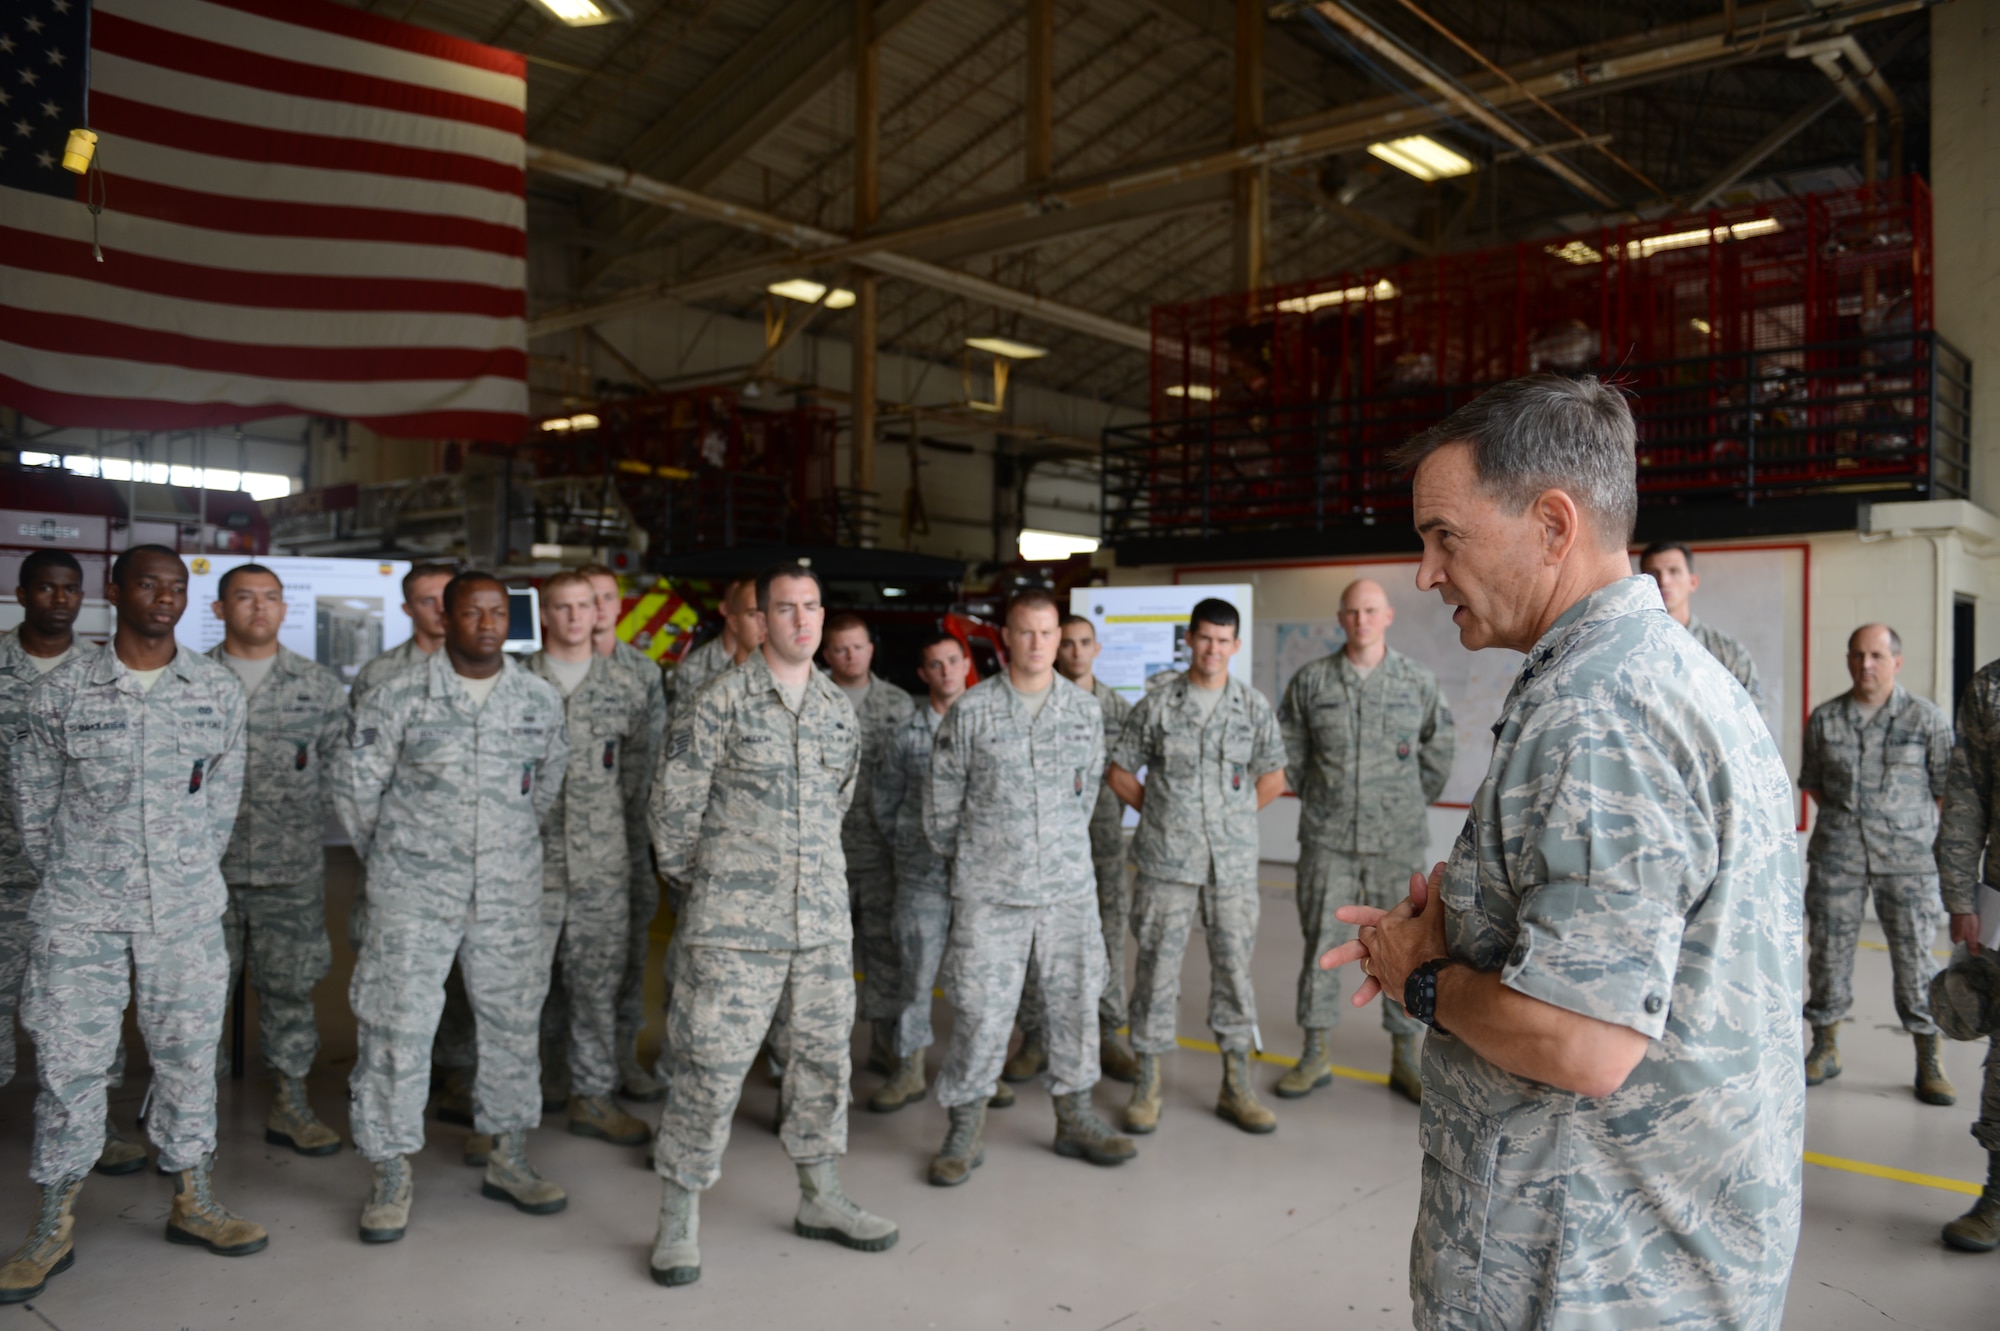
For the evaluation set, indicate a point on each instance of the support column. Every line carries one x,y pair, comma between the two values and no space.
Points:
1965,175
1252,202
867,293
1039,99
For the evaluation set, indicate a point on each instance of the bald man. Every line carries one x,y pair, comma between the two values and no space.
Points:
1368,745
1875,763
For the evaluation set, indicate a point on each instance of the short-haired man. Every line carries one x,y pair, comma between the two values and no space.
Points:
880,707
1614,1091
1875,763
1368,745
125,788
451,768
50,593
921,919
1014,773
1671,565
746,809
423,602
646,687
742,633
1213,757
276,864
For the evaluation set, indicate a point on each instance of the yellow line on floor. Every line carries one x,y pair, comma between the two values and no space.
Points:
1895,1175
1355,1074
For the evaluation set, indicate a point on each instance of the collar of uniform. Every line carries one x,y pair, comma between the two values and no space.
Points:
538,664
1615,600
444,680
287,661
108,669
13,656
1898,698
1014,695
761,680
1354,678
1180,692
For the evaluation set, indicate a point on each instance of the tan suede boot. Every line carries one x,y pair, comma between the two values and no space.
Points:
676,1256
825,1212
386,1213
1238,1103
1082,1135
1313,1070
291,1121
121,1155
599,1116
1933,1087
906,1087
1142,1114
50,1249
1823,1059
199,1220
1118,1063
1978,1230
964,1148
510,1178
478,1149
1027,1064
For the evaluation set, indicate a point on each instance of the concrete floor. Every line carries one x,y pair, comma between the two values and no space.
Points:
1209,1227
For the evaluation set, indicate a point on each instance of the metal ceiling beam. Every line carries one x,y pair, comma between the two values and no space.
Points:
1354,218
1285,58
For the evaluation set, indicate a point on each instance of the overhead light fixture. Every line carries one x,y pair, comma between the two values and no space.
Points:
1001,346
1199,392
1575,252
1382,290
1647,246
1045,547
580,421
808,292
1423,157
585,13
1702,326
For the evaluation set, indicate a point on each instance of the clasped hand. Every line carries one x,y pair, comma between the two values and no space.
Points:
1392,943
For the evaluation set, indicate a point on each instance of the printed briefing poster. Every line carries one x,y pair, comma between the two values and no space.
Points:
1144,629
338,612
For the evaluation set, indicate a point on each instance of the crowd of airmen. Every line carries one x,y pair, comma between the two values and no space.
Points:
516,822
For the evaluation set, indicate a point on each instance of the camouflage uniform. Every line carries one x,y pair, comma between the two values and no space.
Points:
385,666
746,809
445,804
586,867
871,871
1629,857
1734,656
648,689
1008,803
1965,997
1196,850
1366,756
686,681
17,876
922,918
276,865
1879,784
126,800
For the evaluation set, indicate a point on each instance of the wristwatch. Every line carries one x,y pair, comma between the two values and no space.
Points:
1420,991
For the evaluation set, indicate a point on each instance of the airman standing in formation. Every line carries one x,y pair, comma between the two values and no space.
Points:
1369,745
423,602
1875,763
450,770
1213,756
747,805
1014,775
276,864
1671,565
126,787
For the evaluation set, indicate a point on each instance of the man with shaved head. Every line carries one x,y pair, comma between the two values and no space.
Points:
1369,743
1875,763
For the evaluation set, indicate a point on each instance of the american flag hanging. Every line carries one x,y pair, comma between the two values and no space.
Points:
307,209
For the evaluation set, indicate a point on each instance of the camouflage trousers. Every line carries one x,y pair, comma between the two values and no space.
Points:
923,924
283,928
398,995
1910,909
73,1007
586,928
642,904
871,886
1114,920
986,962
14,935
456,1044
1164,914
724,1002
1965,996
1328,880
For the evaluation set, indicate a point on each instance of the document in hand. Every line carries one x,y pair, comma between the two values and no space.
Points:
1989,916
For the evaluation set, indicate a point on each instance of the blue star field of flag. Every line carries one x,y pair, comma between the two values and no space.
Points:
44,69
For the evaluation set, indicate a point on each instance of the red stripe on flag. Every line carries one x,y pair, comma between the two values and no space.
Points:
74,335
71,411
227,286
345,22
265,217
255,143
228,64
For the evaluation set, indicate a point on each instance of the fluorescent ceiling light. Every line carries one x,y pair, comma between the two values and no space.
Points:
807,291
1576,252
1041,547
1199,392
1650,245
1383,290
1701,326
582,421
584,13
1001,346
1422,156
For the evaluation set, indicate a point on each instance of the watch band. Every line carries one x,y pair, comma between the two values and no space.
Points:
1420,991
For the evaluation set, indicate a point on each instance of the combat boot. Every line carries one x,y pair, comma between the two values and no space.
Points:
1313,1070
386,1213
510,1178
1118,1062
1003,1096
676,1256
825,1212
1978,1230
1823,1059
291,1122
50,1249
1933,1087
1142,1115
454,1097
905,1088
1082,1135
198,1219
882,1047
121,1155
599,1116
964,1148
635,1083
1238,1103
1406,1077
1028,1064
478,1149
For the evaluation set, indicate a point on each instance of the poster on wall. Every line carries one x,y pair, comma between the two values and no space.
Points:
1144,630
338,612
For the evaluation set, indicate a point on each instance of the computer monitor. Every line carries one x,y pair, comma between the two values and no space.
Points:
524,620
